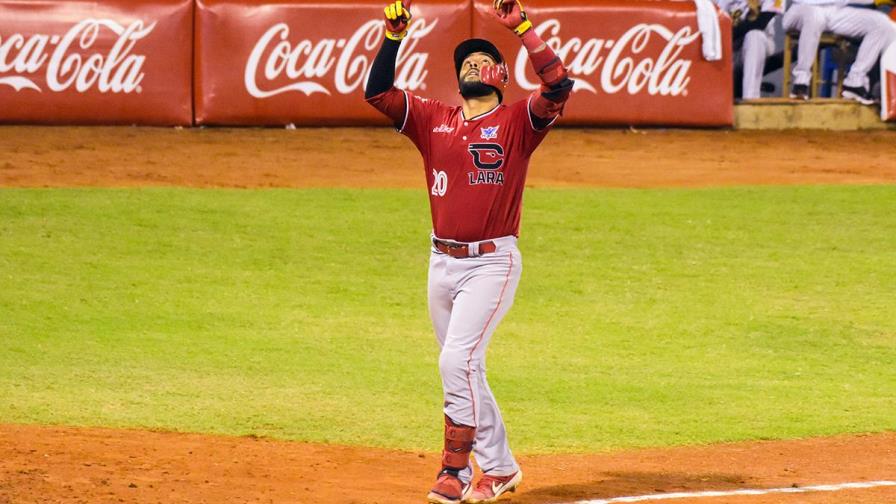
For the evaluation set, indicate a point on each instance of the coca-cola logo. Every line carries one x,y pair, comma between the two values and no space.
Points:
341,64
67,60
623,64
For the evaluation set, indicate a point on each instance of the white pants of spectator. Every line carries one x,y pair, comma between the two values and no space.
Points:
757,46
873,27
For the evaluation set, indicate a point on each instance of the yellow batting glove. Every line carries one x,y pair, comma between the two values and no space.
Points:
510,13
397,17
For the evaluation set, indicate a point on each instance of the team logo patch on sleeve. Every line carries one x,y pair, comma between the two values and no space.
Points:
489,133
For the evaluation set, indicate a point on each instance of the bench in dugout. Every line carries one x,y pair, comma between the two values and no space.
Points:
841,50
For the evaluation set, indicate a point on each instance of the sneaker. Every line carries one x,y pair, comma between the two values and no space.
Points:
489,488
449,489
799,92
858,94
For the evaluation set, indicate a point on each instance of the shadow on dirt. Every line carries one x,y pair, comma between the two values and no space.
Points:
620,484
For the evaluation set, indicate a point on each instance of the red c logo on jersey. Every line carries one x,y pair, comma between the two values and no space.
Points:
487,156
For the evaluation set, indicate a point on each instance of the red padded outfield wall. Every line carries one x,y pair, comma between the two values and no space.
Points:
297,61
634,61
888,83
96,62
276,62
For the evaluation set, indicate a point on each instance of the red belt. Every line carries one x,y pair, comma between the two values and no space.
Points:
462,250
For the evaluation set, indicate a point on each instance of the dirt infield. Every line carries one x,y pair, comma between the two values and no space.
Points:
81,465
52,464
353,157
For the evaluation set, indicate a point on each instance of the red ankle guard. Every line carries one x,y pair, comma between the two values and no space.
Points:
458,445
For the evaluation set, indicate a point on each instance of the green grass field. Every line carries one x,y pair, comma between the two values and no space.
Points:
644,317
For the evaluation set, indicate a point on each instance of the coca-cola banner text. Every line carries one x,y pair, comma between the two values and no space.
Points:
635,62
307,62
89,62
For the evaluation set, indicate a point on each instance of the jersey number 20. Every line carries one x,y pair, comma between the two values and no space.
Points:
439,183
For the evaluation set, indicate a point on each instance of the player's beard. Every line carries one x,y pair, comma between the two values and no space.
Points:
475,89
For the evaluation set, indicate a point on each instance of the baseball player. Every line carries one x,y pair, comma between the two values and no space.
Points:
813,17
475,158
754,38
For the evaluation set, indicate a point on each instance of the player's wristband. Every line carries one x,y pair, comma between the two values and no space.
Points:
396,36
523,28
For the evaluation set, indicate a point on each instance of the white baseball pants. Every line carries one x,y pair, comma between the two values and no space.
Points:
757,46
873,27
468,297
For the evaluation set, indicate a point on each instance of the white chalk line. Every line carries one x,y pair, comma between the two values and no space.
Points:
732,493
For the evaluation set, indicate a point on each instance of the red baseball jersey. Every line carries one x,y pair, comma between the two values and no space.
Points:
475,168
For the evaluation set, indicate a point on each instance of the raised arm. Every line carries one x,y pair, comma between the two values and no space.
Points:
380,91
382,73
547,103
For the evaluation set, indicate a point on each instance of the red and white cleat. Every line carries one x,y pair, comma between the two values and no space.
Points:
449,489
489,488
